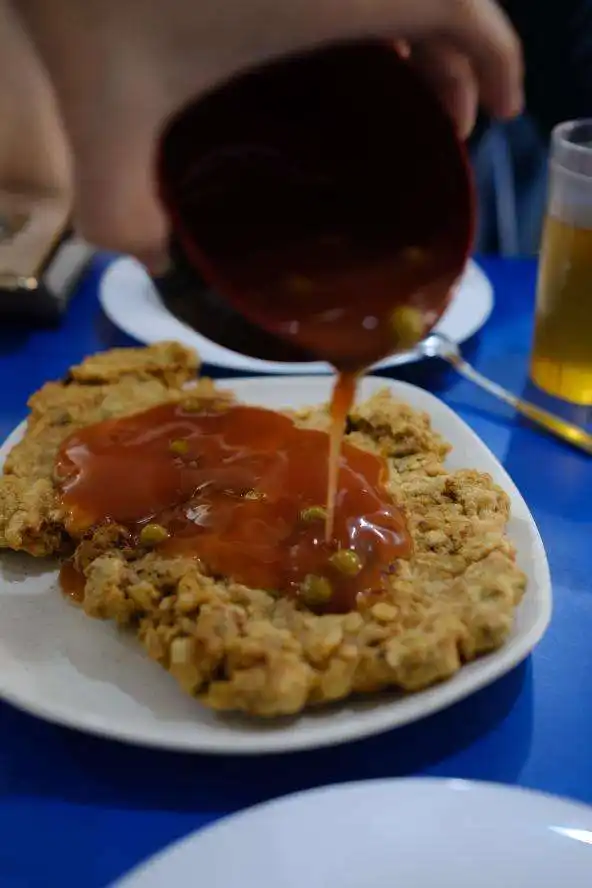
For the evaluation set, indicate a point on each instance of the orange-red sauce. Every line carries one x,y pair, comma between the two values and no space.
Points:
344,392
72,582
234,497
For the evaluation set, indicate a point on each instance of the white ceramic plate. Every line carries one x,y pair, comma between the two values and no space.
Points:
387,834
133,304
63,666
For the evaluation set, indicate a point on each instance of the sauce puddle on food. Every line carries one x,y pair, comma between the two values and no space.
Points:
244,490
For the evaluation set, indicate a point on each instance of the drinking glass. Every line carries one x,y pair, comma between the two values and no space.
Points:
562,352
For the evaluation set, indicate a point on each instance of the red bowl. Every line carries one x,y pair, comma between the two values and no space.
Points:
319,192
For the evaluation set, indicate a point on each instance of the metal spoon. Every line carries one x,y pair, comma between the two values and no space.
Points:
439,346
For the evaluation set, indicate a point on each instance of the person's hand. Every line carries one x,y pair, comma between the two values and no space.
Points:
120,68
33,149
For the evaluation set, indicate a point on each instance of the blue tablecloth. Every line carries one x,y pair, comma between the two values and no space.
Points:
77,811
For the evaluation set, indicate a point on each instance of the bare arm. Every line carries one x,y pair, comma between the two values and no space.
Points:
33,149
121,67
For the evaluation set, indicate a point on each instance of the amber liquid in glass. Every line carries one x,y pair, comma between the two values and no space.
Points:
562,353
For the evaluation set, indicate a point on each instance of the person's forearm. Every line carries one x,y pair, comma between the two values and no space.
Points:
33,151
121,68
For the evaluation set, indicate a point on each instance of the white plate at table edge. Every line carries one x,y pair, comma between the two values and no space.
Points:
414,831
131,302
83,682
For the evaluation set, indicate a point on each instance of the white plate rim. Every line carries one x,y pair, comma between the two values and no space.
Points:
147,320
387,715
394,786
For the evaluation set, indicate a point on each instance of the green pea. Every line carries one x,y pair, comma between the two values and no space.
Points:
179,446
314,513
407,325
153,534
346,561
315,590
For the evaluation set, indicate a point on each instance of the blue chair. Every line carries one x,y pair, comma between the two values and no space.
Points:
510,164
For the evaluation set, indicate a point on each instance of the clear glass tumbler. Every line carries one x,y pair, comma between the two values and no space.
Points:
562,352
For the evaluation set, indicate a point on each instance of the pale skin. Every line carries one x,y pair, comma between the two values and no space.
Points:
33,150
106,74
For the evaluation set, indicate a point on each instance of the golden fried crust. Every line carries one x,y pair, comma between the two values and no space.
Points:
31,519
113,384
169,362
399,431
240,649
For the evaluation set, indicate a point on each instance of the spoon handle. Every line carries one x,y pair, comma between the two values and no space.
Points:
569,432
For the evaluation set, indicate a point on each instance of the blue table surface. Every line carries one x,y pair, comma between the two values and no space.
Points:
79,811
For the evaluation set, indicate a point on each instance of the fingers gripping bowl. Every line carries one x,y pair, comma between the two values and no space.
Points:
238,647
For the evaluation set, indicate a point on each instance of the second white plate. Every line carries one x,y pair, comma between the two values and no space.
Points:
132,303
385,833
57,663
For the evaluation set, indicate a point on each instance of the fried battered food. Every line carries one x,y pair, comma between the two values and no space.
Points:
242,649
112,384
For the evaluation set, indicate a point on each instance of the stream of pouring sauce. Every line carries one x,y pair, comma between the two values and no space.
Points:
342,399
244,490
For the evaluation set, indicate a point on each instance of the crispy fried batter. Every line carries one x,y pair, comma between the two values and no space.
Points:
30,516
169,362
241,649
113,384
